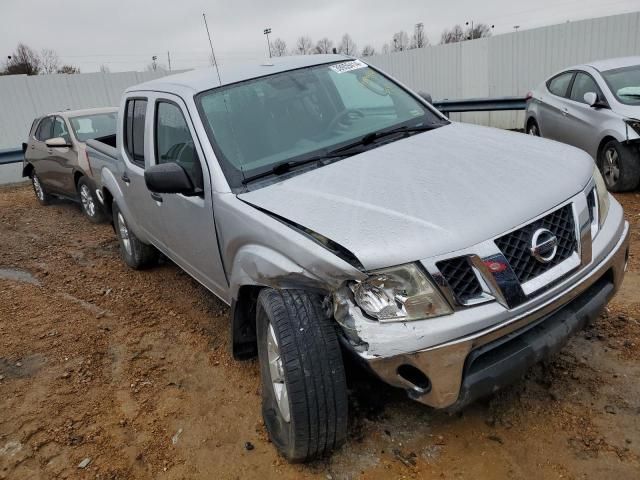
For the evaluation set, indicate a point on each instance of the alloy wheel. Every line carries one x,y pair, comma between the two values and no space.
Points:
37,187
87,201
124,234
611,167
276,371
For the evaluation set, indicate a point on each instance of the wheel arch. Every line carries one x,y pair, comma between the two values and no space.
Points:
244,344
27,170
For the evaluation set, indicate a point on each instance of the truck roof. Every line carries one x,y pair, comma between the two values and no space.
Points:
199,80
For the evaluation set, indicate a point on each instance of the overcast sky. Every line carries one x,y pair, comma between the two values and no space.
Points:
125,34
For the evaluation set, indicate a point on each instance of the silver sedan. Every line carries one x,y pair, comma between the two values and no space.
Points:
595,107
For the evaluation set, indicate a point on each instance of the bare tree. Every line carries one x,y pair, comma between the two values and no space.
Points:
455,35
479,30
419,39
324,46
304,46
70,69
49,60
24,61
347,46
368,50
104,69
278,48
400,41
386,48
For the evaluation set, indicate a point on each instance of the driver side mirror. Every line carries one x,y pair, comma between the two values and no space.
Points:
426,96
57,142
593,101
169,178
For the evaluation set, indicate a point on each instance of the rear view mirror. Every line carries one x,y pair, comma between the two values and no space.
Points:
169,178
426,96
591,98
594,102
57,142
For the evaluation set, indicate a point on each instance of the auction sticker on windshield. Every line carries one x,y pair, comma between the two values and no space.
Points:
348,66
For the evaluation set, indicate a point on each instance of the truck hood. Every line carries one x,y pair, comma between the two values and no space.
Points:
429,194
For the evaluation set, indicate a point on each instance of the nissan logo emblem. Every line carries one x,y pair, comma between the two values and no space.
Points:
544,245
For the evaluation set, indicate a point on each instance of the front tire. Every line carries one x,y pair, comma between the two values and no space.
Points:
91,206
38,188
304,390
533,129
136,254
620,166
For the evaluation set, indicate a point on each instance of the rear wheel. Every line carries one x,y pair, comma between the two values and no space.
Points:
620,166
304,391
38,188
136,254
91,206
533,129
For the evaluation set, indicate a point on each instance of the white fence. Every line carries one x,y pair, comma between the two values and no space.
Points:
510,64
23,98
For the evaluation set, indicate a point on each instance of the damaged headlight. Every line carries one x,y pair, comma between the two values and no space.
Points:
602,197
400,293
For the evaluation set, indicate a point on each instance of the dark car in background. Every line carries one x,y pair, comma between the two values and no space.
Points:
55,157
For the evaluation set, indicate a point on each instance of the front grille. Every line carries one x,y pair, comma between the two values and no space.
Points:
516,246
461,278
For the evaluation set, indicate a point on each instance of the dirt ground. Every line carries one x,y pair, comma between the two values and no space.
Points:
131,370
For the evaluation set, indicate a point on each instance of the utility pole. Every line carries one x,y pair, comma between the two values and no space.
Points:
169,59
267,31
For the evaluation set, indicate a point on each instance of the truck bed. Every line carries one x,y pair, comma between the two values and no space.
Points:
103,155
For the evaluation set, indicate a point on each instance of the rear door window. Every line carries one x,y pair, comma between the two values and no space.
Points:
559,84
44,129
135,116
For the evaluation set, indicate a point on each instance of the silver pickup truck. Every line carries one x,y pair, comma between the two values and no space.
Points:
339,213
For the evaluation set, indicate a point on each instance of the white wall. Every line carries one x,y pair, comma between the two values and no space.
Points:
510,64
23,98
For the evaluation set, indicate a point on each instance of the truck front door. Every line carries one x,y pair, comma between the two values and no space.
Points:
189,231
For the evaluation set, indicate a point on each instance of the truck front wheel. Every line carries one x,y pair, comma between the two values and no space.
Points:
304,390
135,253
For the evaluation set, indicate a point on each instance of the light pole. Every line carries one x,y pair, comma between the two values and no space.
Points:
267,31
516,27
154,65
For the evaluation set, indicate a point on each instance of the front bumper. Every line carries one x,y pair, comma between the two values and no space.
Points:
454,373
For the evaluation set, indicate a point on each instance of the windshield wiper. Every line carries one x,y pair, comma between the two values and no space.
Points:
370,138
287,166
344,151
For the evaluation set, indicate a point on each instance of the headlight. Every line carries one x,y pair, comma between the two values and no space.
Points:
399,294
633,123
603,197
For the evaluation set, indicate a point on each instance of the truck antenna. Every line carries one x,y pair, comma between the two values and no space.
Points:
213,55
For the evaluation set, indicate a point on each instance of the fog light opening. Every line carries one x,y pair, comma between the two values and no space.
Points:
415,377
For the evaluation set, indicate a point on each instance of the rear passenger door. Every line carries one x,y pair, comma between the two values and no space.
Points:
142,205
553,109
188,221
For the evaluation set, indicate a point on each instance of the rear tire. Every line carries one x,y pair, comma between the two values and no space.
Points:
91,206
620,166
300,354
38,188
136,254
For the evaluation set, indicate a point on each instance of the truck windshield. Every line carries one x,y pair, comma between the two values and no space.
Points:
624,84
89,127
260,123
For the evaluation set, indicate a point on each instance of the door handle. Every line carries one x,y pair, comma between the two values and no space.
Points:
125,178
156,197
